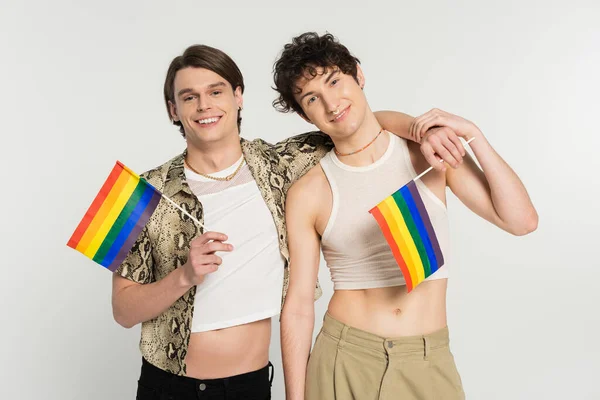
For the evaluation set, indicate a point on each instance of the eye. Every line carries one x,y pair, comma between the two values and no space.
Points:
333,82
310,100
216,93
188,98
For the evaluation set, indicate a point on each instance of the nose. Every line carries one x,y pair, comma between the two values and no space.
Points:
332,103
203,104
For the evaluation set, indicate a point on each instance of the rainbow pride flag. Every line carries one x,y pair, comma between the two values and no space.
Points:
116,217
407,228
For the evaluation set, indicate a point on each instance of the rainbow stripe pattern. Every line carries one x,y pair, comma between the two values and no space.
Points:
116,217
407,228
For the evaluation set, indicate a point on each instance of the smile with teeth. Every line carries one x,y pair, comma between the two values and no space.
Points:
208,120
340,115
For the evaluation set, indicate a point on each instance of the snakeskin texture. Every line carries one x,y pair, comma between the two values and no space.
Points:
163,244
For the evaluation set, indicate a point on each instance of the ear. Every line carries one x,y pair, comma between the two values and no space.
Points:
239,98
173,111
360,77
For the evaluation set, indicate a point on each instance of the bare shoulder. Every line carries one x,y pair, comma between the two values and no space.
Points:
310,185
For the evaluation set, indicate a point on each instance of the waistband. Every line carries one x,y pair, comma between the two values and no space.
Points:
400,345
160,378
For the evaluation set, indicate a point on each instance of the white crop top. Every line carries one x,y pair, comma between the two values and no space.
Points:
247,286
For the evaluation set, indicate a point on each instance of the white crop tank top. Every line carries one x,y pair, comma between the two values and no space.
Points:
247,285
353,245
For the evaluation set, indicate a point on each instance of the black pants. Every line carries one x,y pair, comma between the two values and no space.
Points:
156,384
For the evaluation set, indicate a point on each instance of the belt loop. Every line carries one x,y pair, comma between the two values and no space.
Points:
342,341
426,344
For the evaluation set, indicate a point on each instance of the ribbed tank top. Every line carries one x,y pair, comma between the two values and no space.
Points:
353,245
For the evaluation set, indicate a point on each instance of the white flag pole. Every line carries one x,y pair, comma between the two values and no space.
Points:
169,200
430,168
182,210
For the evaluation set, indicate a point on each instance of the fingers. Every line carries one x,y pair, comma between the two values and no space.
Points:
202,257
207,237
421,124
206,264
202,264
446,155
429,123
417,127
432,158
453,152
210,248
453,137
446,144
198,250
438,133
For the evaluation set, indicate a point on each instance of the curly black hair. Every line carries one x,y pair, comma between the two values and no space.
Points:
301,58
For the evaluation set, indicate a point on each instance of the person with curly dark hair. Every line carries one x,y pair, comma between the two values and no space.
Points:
377,340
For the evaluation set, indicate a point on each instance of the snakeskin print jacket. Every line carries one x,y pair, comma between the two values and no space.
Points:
163,244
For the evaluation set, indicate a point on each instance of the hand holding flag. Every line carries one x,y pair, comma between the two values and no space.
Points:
116,217
407,228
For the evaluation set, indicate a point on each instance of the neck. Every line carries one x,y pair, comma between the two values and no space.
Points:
367,131
213,157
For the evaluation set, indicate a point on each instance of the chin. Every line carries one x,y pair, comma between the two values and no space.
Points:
348,130
216,136
206,137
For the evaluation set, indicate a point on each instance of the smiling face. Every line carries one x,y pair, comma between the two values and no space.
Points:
333,101
206,105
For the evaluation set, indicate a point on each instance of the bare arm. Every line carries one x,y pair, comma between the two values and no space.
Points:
396,122
298,315
496,193
436,145
134,302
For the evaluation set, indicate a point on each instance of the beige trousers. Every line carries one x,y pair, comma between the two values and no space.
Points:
347,363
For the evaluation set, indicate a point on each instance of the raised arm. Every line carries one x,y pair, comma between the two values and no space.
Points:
496,193
396,122
438,144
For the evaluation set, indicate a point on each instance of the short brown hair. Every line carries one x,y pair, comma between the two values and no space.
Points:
302,57
202,56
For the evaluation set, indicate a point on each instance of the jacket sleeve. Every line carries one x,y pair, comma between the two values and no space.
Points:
138,265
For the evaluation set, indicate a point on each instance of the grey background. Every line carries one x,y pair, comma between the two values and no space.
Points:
82,87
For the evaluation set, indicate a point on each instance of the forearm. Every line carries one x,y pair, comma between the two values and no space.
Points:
134,304
508,194
296,338
396,122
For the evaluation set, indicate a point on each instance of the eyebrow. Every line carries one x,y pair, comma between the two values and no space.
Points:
306,94
331,75
218,84
326,81
211,86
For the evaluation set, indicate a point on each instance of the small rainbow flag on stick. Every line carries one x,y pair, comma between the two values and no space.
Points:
407,228
116,217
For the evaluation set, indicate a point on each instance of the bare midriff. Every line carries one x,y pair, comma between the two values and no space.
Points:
391,312
231,351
